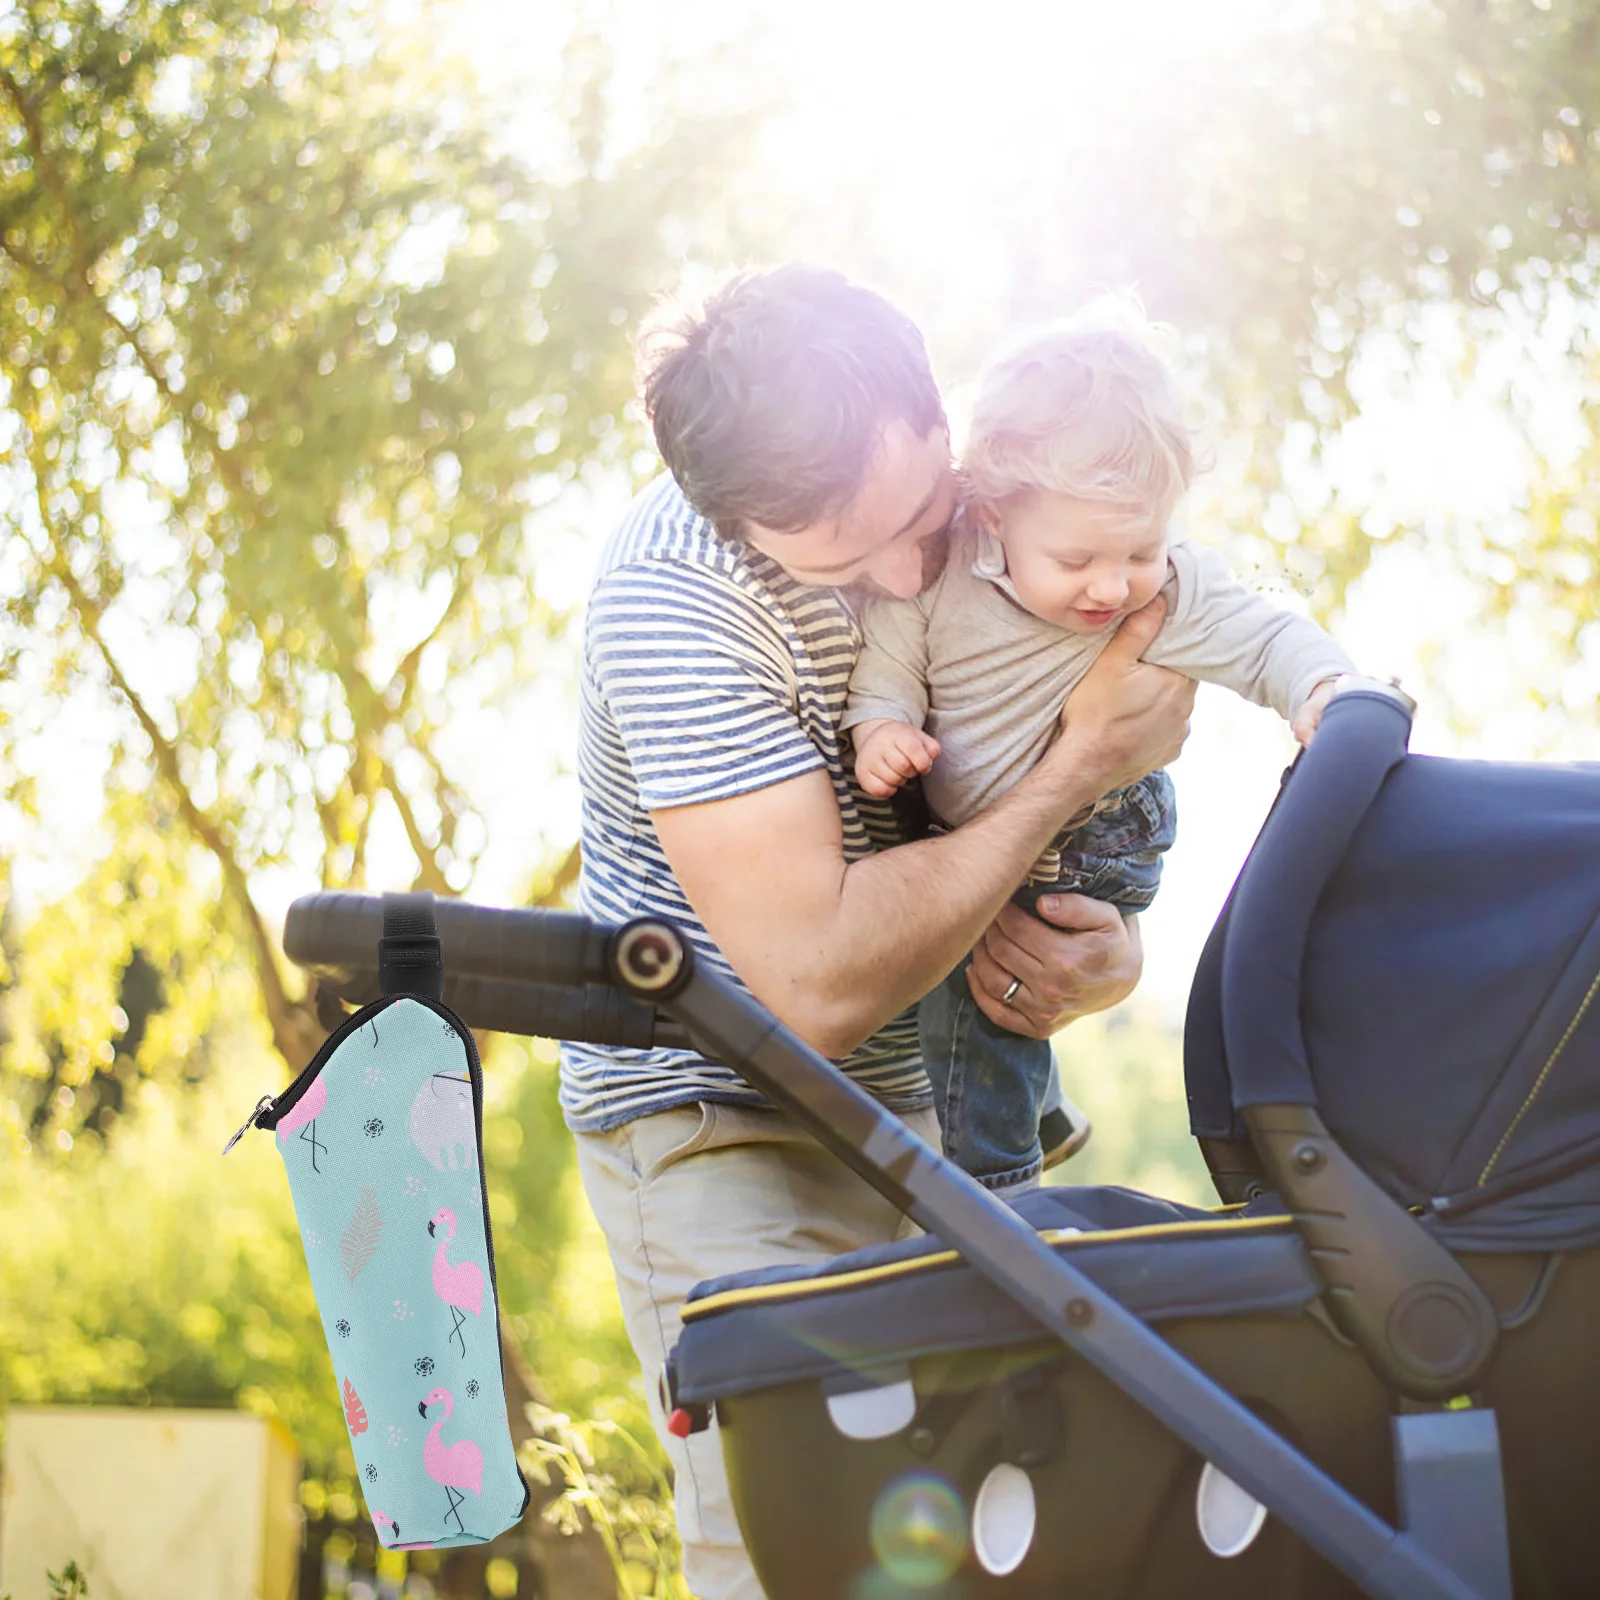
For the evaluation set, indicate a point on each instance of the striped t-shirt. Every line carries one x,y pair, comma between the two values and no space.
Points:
708,672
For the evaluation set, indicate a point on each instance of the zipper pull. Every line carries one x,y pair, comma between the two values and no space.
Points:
249,1122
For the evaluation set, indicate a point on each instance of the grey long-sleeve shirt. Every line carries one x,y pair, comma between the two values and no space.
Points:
966,661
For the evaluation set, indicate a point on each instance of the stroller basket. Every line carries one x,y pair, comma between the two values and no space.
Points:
1357,1382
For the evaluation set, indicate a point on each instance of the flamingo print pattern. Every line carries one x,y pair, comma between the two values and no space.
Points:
455,1466
460,1286
377,1280
381,1520
303,1115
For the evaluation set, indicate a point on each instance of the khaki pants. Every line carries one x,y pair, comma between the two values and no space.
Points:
695,1193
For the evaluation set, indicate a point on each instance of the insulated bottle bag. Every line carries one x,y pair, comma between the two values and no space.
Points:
382,1136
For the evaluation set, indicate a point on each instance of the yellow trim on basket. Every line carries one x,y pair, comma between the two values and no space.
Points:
730,1299
1538,1083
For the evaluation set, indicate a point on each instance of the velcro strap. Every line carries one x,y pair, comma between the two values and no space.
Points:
410,960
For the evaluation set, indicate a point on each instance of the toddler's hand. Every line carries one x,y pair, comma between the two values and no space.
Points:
889,753
1309,715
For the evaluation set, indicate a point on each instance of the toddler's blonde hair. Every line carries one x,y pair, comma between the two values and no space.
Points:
1084,407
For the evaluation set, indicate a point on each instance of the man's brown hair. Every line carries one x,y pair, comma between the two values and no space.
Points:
769,404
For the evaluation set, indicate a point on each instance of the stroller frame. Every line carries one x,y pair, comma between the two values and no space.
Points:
1416,1314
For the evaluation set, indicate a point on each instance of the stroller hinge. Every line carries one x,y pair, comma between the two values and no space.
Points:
1451,1494
1420,1317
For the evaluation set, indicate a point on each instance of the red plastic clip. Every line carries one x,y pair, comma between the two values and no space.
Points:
680,1423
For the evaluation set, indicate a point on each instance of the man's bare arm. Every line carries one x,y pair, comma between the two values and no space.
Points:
836,949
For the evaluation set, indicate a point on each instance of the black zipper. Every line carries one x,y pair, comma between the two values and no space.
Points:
286,1101
270,1108
269,1116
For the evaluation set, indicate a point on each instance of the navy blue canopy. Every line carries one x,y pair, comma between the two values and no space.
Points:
1449,1002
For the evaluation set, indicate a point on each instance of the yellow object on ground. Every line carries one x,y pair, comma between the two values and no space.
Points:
150,1504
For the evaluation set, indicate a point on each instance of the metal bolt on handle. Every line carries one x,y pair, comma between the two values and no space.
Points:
650,957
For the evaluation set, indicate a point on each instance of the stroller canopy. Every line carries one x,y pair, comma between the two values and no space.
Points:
1449,1003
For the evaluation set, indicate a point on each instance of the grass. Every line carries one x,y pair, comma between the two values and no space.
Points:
70,1583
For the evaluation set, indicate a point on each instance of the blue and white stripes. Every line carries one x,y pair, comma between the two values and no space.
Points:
707,672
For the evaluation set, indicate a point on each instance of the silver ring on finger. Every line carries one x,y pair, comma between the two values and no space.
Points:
1011,991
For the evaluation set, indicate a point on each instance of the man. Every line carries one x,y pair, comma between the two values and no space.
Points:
809,469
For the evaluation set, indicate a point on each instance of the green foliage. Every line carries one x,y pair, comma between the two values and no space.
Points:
528,1164
122,980
1364,192
70,1583
615,1480
293,354
173,1278
176,1277
294,357
1125,1069
1327,182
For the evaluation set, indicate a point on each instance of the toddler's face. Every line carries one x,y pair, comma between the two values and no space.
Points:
1081,564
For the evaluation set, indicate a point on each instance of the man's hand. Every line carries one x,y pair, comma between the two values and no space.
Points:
1306,719
890,753
1089,961
1126,717
860,940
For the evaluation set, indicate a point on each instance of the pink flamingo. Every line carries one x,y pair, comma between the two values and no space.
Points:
303,1114
456,1466
460,1286
382,1520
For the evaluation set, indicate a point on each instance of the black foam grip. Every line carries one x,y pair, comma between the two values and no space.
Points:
531,972
334,932
590,1015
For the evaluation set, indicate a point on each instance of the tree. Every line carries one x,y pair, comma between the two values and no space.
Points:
1376,172
292,355
1330,205
292,352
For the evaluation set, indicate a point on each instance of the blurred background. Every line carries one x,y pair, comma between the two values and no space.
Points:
316,401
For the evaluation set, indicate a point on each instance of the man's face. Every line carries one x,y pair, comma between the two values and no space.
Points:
891,539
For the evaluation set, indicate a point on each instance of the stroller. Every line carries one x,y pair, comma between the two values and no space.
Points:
1366,1374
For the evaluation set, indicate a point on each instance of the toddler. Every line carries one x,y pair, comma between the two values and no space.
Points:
1077,458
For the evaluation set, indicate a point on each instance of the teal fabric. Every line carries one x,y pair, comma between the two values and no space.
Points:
381,1148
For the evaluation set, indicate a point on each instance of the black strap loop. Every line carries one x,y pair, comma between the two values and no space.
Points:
410,960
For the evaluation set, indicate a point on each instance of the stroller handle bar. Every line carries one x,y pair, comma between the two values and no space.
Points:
1361,739
538,973
1420,1318
652,964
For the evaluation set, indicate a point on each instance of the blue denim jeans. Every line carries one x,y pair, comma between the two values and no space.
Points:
989,1084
